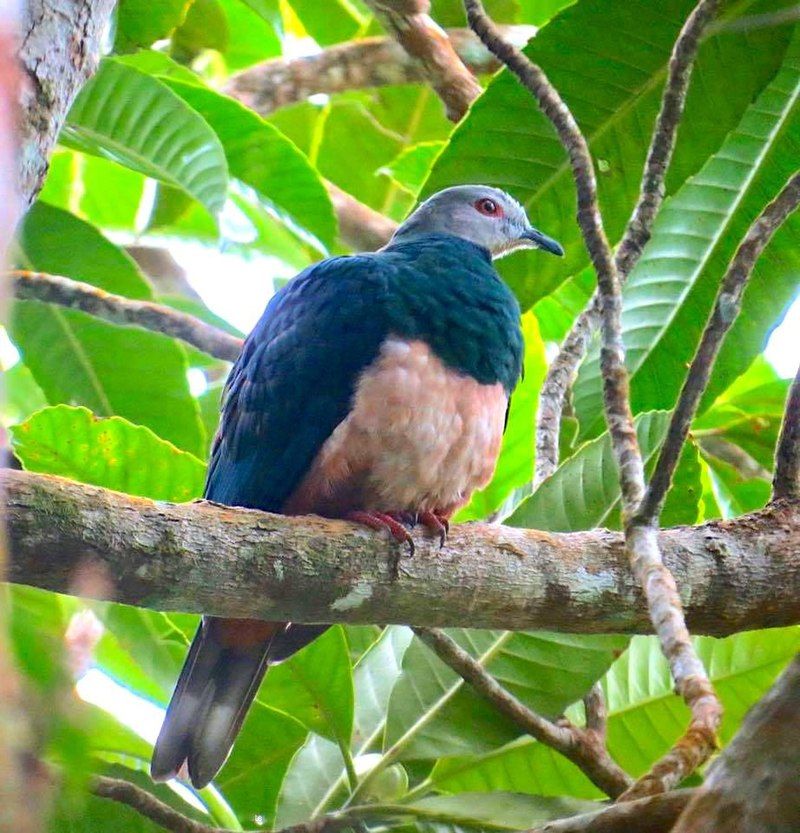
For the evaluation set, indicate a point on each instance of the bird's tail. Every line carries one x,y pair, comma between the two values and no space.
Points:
226,663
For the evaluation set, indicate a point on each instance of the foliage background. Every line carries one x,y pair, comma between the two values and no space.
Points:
153,152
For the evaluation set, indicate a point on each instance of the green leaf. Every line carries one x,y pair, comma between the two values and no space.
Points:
669,294
584,493
129,117
315,686
515,463
21,395
497,811
557,311
317,775
645,715
142,22
432,712
254,32
262,157
736,493
78,359
112,453
341,20
251,778
96,190
205,27
410,168
608,61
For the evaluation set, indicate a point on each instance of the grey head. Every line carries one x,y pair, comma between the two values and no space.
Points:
485,216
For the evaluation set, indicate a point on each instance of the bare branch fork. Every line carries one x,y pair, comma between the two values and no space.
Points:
562,369
641,542
786,483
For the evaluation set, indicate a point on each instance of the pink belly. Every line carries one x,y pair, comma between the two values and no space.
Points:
419,437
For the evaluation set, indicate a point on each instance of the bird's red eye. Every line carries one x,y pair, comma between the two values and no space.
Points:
488,207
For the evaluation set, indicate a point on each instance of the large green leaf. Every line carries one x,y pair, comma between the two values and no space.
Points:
645,715
432,712
340,21
670,293
262,157
584,491
315,686
110,452
78,359
141,22
132,118
317,776
515,463
608,60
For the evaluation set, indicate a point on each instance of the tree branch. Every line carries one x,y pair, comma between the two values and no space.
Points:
242,563
725,312
752,786
424,40
53,289
563,368
362,228
147,805
584,747
355,65
655,814
786,483
642,546
59,52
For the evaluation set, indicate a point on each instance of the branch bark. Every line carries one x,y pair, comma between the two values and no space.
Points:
752,786
59,52
362,228
425,41
786,483
54,289
243,563
359,64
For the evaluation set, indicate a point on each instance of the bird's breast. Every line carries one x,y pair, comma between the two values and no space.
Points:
420,436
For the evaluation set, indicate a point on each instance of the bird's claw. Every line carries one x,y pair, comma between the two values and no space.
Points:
383,520
436,525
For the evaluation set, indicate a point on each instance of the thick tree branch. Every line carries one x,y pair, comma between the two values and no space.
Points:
562,369
358,64
59,52
786,483
53,289
425,41
242,563
752,786
725,312
584,747
642,546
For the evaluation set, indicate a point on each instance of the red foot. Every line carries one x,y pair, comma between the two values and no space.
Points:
383,520
436,525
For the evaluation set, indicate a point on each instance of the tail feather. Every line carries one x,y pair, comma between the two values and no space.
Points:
223,670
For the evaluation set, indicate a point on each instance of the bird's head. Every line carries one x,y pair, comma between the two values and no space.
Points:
485,216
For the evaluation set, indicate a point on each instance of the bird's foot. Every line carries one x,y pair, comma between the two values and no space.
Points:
384,520
435,524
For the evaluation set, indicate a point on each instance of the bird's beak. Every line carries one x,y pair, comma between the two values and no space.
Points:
542,241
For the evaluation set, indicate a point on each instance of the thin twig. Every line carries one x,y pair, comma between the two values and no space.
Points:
594,703
163,815
786,482
562,369
54,289
725,312
362,228
642,548
585,748
353,65
414,29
